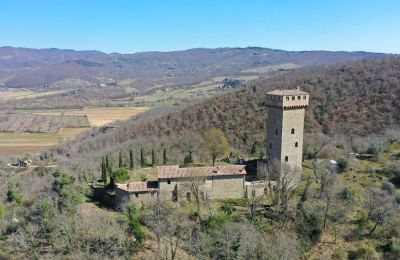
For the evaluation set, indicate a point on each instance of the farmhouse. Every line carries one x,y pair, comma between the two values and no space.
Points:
178,184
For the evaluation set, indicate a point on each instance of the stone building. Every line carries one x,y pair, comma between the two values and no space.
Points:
135,191
285,130
215,182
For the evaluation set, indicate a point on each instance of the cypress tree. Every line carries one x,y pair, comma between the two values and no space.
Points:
188,158
165,159
103,171
108,168
120,164
142,159
131,162
153,158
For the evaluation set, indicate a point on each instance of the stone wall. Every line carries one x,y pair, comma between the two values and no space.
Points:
281,143
293,119
122,197
227,187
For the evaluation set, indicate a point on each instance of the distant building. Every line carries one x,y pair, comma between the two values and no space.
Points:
22,163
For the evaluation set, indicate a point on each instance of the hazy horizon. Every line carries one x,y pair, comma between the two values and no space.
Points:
140,26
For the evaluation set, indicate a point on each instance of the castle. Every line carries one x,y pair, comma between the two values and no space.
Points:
285,127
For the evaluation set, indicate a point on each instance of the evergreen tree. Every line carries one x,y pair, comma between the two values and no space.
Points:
153,158
108,168
103,170
131,162
134,225
142,159
165,159
255,149
188,158
120,163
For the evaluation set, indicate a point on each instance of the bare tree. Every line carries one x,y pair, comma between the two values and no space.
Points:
195,185
380,207
155,219
286,185
329,192
314,144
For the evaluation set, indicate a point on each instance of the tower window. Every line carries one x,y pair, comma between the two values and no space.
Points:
304,97
169,181
293,98
296,144
287,98
136,195
286,159
298,97
276,131
292,132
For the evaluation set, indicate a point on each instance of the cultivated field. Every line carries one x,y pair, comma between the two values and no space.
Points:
32,143
99,116
20,143
15,94
24,122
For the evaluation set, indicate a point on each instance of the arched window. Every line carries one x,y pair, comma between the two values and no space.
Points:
188,196
286,159
292,131
276,131
296,144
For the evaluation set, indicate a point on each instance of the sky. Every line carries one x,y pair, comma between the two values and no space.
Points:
128,26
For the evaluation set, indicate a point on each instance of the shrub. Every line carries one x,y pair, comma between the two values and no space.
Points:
342,165
389,187
347,194
391,170
120,175
309,229
392,247
2,211
134,225
363,252
340,253
397,197
14,193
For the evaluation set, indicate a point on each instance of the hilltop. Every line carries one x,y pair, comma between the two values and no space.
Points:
66,69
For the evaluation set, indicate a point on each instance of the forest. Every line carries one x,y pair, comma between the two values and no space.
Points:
347,101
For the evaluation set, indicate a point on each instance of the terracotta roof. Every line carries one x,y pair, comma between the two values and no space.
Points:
165,172
133,186
287,92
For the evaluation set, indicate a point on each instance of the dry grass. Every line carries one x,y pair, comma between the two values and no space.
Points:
33,143
16,94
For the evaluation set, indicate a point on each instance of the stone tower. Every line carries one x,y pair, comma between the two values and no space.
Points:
285,126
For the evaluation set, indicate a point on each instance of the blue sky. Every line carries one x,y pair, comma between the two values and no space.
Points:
129,26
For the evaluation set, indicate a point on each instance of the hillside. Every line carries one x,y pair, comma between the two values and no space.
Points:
61,69
355,99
